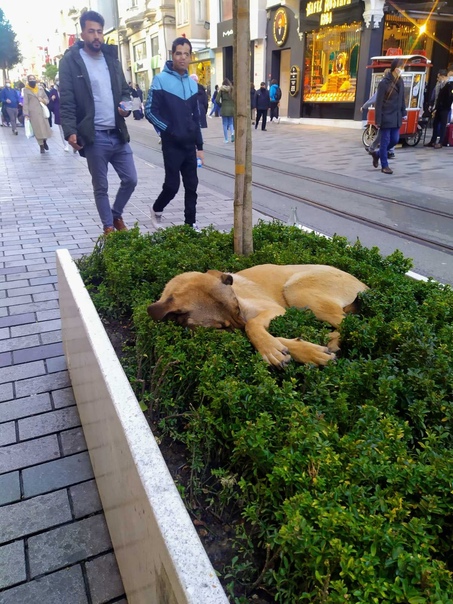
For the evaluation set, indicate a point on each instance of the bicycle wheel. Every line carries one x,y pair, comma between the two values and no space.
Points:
368,136
413,140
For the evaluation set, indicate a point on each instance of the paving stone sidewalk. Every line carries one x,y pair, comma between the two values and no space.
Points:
54,543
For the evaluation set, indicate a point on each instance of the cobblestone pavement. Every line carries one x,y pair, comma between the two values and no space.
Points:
54,543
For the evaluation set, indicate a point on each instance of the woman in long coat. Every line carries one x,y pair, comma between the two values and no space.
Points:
34,98
390,112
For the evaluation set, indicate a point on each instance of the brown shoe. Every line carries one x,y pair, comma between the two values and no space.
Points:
438,146
387,170
119,225
108,230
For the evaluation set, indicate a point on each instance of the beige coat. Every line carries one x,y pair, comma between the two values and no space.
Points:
32,108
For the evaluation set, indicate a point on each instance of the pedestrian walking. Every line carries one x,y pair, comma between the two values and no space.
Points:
374,147
10,98
215,109
226,102
35,110
92,88
442,109
203,101
54,107
262,106
172,108
252,102
390,112
275,95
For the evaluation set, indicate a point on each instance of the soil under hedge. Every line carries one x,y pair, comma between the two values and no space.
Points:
334,485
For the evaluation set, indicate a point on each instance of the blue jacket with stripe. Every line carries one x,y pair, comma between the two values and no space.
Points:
172,107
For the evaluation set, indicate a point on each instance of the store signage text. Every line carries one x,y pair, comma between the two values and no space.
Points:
294,80
324,8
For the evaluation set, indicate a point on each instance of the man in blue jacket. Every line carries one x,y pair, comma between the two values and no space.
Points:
10,98
172,108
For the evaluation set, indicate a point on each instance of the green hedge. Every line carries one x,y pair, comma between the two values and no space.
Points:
343,475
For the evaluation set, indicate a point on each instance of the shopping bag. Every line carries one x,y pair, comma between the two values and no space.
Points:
28,129
45,110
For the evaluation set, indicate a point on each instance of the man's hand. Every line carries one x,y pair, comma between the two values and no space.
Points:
72,140
123,113
200,155
8,100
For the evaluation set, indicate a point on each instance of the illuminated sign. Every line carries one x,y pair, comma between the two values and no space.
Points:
325,9
280,27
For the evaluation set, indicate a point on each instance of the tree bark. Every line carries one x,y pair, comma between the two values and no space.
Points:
243,220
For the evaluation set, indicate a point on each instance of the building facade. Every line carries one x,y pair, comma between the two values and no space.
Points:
319,50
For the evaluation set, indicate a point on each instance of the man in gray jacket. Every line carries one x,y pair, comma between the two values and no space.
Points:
92,91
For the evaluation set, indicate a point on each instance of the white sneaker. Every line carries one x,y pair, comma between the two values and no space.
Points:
66,148
278,120
156,219
196,227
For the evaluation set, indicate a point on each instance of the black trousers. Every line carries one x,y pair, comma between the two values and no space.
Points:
178,160
261,114
440,125
274,110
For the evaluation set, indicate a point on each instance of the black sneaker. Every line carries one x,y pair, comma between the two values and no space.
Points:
390,155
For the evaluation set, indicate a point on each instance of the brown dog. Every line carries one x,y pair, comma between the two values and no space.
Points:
251,298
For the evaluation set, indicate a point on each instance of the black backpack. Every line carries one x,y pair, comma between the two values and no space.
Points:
278,94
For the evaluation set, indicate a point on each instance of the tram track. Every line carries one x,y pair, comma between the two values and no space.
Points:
341,213
405,204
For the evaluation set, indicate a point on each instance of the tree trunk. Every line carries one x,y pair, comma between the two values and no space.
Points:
243,220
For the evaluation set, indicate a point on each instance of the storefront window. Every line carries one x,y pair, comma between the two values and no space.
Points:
226,9
407,37
331,63
140,51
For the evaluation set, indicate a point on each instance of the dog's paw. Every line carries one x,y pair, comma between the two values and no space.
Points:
307,352
334,341
278,357
322,356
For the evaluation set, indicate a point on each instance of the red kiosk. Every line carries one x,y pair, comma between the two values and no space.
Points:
413,73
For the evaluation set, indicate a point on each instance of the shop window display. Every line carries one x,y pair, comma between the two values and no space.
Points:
331,63
409,37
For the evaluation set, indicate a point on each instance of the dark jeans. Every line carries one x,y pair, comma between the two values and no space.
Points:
179,159
274,110
107,148
261,114
440,125
389,138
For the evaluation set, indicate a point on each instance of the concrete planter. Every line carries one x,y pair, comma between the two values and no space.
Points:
159,554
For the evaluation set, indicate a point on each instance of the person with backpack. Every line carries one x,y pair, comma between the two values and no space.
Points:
275,94
262,105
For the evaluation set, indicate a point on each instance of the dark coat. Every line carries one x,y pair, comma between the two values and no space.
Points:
54,104
445,97
203,102
76,95
262,99
252,98
390,105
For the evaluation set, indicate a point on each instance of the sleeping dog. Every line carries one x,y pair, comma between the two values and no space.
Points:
251,298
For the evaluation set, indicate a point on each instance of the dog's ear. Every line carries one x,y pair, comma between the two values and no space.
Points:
158,310
225,278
